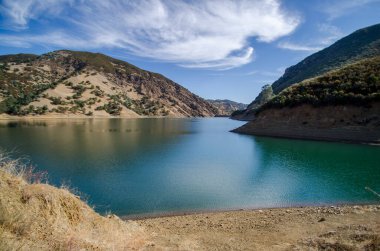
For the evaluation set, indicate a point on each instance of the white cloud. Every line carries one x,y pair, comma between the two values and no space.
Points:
297,47
330,33
20,12
198,33
274,73
57,39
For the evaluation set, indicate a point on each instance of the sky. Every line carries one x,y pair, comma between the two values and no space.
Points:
218,49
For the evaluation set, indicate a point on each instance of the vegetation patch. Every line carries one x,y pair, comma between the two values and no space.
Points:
357,84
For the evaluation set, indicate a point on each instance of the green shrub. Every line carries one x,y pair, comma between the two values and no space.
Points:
113,108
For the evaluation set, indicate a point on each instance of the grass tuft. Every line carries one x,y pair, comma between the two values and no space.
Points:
18,168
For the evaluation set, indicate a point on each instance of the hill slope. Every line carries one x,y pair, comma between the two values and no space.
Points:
355,84
341,105
362,44
226,107
73,83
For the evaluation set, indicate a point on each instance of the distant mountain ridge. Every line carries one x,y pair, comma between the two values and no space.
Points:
226,107
91,84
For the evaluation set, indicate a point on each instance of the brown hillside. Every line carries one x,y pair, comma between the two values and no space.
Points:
69,83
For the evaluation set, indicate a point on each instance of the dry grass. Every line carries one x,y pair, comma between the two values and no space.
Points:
21,170
37,216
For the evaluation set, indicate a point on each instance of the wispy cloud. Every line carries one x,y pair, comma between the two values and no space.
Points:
258,75
201,34
274,73
330,33
297,47
340,8
56,38
18,13
326,35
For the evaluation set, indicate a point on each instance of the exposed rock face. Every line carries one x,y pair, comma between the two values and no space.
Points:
92,84
345,123
226,107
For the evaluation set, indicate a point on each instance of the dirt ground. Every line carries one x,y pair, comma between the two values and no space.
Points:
309,228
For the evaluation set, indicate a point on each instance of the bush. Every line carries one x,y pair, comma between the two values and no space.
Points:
113,108
56,101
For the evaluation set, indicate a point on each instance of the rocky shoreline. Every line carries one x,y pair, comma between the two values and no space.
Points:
303,228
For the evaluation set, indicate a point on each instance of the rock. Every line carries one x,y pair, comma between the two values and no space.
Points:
322,219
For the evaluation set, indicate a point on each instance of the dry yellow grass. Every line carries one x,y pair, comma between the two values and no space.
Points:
42,217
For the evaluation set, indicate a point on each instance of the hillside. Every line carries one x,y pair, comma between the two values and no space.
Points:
72,83
341,105
226,107
354,84
361,44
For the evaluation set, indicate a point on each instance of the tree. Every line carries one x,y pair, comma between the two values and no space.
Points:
265,95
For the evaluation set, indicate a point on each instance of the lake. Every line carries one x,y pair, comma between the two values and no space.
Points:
138,166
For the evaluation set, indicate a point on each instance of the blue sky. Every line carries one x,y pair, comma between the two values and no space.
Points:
215,48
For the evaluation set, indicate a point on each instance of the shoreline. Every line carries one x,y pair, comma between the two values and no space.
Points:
317,139
31,118
157,215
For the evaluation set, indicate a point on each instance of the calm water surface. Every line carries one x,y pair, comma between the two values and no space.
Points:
133,166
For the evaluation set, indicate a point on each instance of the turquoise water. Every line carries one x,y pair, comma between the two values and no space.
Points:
133,166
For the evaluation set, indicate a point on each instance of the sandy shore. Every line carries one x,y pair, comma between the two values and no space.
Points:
307,228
